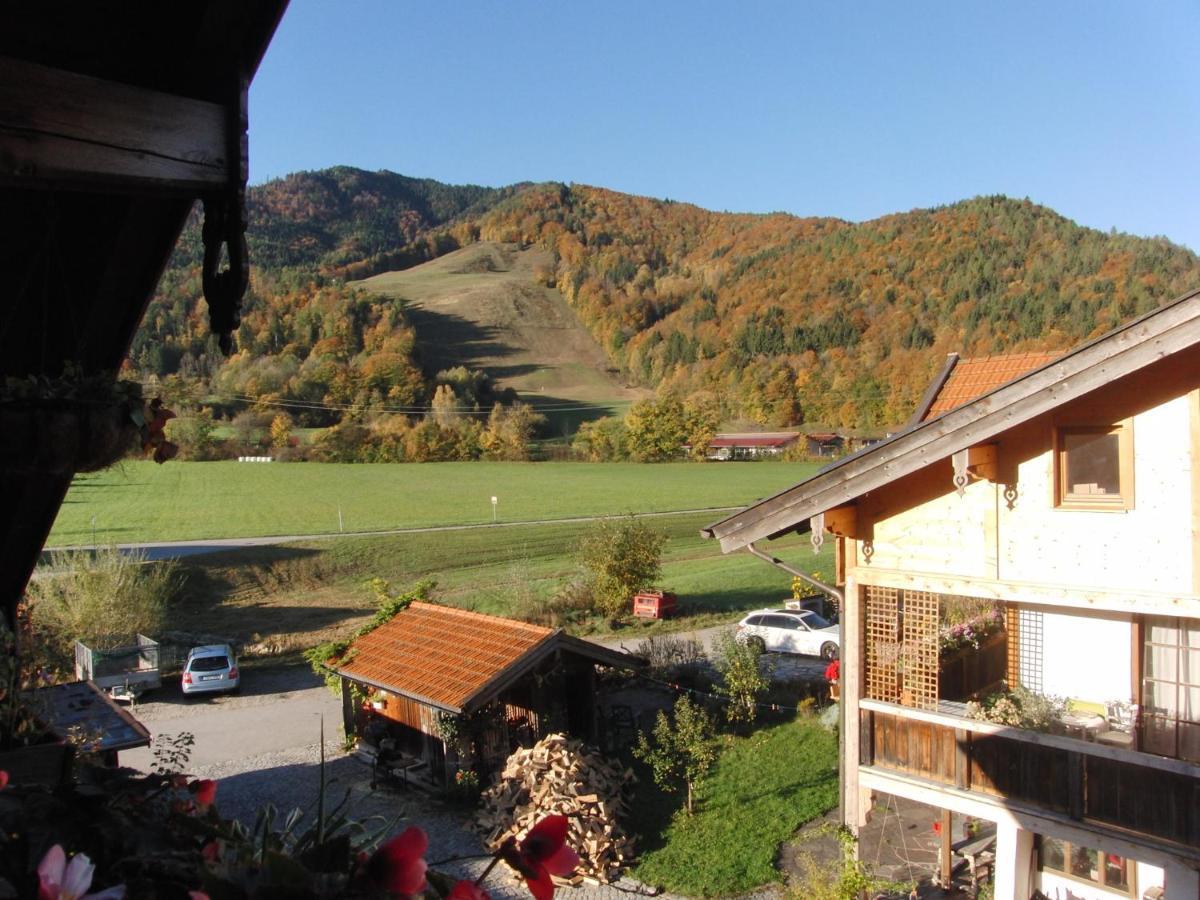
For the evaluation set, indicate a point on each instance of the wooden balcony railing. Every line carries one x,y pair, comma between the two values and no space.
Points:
1151,795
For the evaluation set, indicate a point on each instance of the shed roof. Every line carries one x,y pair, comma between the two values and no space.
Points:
754,439
1159,334
455,659
80,710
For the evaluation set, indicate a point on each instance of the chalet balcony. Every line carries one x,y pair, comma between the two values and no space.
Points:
1080,780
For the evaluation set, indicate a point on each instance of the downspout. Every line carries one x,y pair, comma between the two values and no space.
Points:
841,601
808,579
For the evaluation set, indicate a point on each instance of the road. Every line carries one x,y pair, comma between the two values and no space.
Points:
175,549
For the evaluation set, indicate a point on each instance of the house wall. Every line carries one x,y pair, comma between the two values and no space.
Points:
920,525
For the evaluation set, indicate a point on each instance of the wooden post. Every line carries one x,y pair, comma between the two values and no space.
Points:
946,855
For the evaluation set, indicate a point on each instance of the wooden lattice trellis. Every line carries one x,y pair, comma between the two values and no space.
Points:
920,657
882,623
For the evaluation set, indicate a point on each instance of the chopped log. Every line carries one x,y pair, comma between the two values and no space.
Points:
559,776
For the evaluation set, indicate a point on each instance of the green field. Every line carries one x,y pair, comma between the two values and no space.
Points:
141,501
291,596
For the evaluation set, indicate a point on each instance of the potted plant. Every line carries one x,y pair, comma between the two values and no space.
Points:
77,422
833,673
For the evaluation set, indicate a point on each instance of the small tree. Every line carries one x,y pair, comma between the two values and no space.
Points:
281,430
621,556
742,680
683,750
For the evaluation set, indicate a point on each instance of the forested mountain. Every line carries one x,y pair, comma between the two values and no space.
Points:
770,319
788,320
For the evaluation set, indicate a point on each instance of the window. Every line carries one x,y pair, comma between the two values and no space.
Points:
1108,870
1171,688
1093,466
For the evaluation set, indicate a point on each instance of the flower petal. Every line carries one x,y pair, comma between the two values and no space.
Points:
397,865
116,892
563,862
467,890
541,886
544,839
78,877
50,873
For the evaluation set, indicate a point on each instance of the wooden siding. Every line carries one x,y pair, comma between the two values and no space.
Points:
1149,801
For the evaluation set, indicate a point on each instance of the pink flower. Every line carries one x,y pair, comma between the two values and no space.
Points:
467,890
60,880
397,866
3,779
543,853
205,790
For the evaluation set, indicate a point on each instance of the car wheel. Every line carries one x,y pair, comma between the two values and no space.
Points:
829,651
758,644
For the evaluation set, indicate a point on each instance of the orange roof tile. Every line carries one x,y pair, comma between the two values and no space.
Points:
440,655
973,378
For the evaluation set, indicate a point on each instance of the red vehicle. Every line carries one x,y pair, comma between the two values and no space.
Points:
654,604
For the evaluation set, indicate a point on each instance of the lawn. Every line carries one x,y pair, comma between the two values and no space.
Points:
764,787
291,596
140,501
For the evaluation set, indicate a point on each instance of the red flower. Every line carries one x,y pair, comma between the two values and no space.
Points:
3,779
833,671
543,853
397,866
467,890
205,790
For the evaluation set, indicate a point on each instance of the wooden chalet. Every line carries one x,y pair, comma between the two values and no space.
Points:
1067,492
506,683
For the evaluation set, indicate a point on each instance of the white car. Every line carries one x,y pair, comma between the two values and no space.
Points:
212,667
791,631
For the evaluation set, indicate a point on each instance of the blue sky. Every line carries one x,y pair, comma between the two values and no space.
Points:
853,109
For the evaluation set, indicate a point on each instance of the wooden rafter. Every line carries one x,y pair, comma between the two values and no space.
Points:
62,128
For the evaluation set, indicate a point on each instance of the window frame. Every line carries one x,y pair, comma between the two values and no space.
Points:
1130,866
1121,501
1181,683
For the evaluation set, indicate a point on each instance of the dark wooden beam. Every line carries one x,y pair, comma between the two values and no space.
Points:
59,128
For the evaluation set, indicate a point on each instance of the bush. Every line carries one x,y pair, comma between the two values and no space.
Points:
670,654
621,556
89,596
683,751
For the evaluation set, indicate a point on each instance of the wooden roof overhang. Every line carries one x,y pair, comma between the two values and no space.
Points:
1127,349
115,117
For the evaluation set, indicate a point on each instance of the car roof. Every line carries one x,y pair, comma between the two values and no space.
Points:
211,650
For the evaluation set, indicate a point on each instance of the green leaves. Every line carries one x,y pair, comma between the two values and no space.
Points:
621,556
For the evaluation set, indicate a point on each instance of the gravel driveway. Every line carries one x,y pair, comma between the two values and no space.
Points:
263,746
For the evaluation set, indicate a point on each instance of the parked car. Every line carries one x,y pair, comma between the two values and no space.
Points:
212,667
791,631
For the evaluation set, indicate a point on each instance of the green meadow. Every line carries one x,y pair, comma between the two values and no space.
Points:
140,501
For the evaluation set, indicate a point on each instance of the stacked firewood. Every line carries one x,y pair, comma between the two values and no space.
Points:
560,776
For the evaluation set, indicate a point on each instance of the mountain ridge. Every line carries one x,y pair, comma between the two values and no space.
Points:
780,320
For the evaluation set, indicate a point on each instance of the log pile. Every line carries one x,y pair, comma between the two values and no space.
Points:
560,776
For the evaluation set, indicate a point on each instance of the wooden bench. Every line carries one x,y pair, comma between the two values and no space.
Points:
977,852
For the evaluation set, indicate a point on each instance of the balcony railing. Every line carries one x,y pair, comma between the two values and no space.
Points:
1097,783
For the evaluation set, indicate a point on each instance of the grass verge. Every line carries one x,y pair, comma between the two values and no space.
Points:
288,597
765,786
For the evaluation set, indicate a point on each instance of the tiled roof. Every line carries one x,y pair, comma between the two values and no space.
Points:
441,655
754,439
973,378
